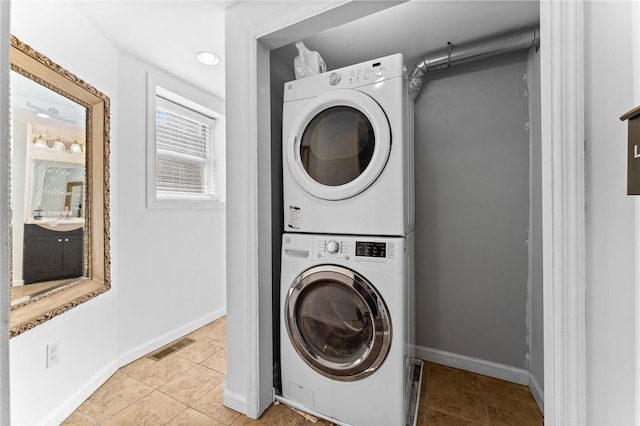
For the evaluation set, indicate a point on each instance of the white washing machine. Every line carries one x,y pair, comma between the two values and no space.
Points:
348,151
347,327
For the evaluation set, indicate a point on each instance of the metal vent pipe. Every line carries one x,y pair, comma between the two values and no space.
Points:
456,55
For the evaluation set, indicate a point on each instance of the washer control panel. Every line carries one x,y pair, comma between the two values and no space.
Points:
358,251
332,248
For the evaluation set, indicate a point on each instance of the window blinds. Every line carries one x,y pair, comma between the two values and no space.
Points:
184,152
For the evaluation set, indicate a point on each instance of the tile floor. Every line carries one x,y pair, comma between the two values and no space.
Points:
185,388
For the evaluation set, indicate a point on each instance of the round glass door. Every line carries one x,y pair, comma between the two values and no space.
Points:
339,144
338,323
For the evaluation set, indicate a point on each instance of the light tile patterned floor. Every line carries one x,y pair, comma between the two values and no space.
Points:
185,388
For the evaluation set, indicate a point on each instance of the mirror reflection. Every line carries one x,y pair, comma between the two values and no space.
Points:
56,190
47,189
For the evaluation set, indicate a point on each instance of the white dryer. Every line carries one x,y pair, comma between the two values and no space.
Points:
348,151
347,327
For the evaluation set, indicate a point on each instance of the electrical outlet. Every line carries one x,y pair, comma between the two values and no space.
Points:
53,353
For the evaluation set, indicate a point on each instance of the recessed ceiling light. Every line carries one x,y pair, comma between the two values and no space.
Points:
208,58
43,115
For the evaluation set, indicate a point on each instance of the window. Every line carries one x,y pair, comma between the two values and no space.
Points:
184,153
182,160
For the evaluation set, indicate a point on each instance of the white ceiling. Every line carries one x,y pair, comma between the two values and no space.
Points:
168,33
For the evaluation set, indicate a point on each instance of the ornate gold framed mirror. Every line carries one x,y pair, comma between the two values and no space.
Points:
60,191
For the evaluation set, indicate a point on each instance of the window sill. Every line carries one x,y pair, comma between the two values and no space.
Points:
167,203
34,312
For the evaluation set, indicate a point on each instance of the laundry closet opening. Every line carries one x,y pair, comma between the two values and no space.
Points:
478,229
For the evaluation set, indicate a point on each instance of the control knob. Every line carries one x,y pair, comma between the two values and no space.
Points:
334,78
333,246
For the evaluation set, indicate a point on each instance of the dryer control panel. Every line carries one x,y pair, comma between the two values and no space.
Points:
350,77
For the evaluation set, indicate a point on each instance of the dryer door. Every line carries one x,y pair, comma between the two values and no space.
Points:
338,322
338,144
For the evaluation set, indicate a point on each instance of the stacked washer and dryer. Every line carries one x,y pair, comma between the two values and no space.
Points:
347,332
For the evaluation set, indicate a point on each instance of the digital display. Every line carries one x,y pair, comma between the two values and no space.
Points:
371,249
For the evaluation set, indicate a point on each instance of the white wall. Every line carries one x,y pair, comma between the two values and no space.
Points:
168,266
87,348
87,333
172,274
610,235
4,213
239,19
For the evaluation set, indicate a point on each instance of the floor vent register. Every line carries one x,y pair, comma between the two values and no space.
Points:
171,348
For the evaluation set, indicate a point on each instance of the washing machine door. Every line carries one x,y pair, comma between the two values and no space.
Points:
338,322
338,144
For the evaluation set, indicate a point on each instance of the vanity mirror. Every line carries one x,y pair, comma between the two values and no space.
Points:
60,254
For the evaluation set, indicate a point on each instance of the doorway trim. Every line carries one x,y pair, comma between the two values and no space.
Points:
563,199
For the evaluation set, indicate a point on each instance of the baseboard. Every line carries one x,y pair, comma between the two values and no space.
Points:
474,365
536,390
234,401
75,400
169,337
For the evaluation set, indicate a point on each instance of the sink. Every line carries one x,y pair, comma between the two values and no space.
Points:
61,225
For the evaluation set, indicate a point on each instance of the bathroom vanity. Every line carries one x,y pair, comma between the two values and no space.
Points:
52,254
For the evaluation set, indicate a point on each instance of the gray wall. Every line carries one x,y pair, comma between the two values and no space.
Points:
472,210
536,302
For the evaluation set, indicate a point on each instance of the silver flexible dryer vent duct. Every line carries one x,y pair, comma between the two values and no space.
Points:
455,55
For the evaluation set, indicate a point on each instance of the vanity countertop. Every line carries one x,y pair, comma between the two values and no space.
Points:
61,225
